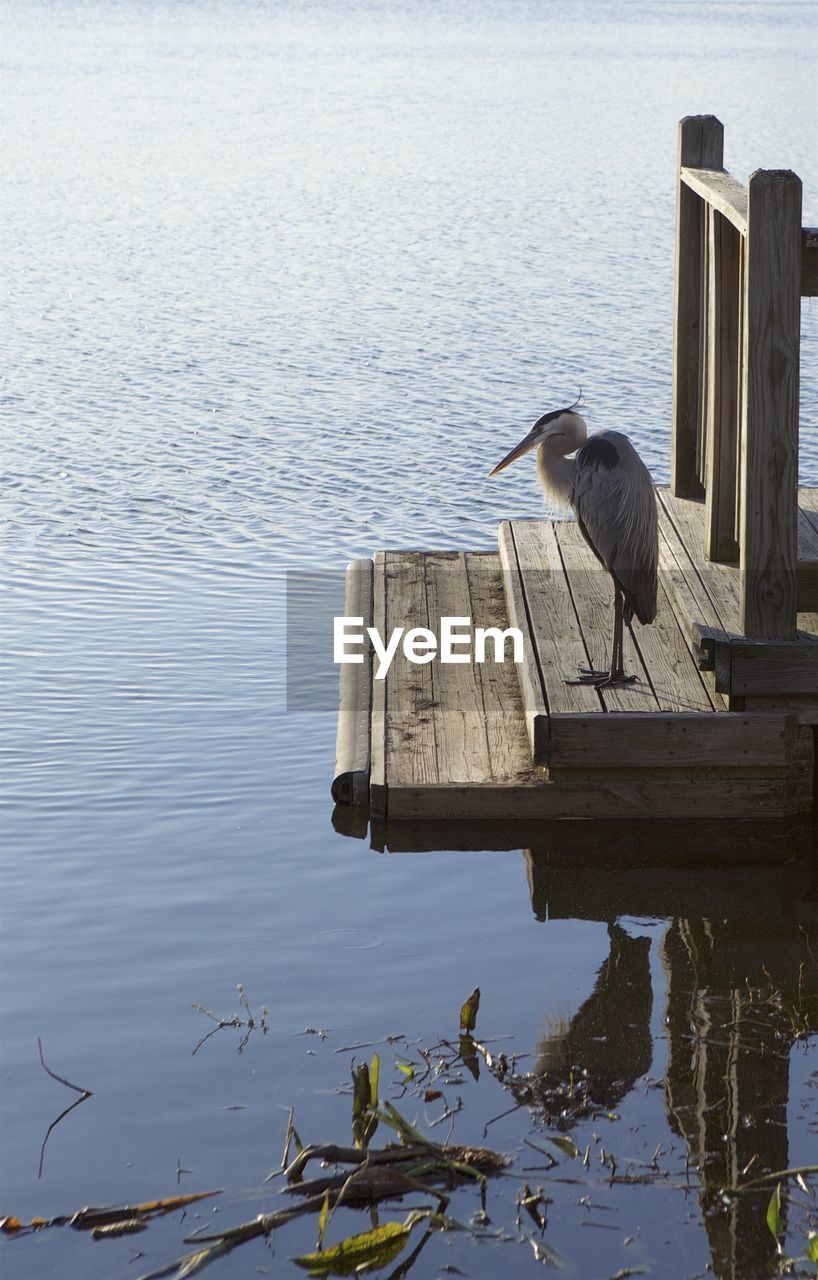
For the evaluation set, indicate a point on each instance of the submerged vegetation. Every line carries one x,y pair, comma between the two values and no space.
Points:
445,1187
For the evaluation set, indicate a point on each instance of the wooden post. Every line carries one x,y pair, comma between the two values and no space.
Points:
701,146
722,384
769,446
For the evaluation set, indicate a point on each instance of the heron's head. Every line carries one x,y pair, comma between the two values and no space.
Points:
565,427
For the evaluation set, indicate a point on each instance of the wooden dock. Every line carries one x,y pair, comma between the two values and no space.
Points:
498,740
723,717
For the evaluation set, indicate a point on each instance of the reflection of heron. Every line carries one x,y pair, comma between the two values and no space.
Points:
610,491
609,1037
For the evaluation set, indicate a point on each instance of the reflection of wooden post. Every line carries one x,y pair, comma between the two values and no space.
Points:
701,146
728,1063
769,446
723,380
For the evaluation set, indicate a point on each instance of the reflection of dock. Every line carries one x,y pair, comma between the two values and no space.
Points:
740,960
739,995
720,719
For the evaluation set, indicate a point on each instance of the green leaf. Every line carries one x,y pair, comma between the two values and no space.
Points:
408,1069
395,1120
566,1145
323,1218
196,1262
468,1012
364,1252
361,1091
468,1056
374,1078
812,1248
774,1212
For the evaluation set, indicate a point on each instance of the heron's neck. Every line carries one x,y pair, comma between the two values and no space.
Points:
555,471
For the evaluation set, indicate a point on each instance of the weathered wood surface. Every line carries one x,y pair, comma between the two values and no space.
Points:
720,190
377,780
560,644
411,747
352,743
719,582
586,852
458,718
535,707
707,600
700,146
776,667
807,584
686,520
769,444
723,388
450,741
499,682
708,794
809,262
592,594
655,741
804,706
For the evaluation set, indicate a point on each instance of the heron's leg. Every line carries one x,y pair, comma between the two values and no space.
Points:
593,675
616,675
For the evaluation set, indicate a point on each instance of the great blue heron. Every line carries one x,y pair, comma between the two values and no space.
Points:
609,489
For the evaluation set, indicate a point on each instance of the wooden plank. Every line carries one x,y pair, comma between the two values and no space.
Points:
807,582
555,629
809,262
595,865
721,581
670,664
377,774
411,747
808,503
770,406
804,706
592,595
352,742
535,706
508,745
457,711
781,667
723,378
684,741
721,191
695,610
705,794
700,145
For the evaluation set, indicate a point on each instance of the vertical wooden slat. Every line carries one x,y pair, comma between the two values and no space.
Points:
742,294
702,362
701,146
722,382
377,774
770,412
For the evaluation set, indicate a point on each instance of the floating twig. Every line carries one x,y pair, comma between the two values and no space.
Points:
84,1094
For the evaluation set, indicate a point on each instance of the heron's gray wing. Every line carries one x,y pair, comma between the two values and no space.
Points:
615,505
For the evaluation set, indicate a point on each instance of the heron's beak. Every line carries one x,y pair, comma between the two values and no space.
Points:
525,445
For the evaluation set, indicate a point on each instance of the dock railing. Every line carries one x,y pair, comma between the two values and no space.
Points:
743,262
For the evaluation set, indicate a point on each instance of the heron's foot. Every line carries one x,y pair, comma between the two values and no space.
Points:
601,679
614,679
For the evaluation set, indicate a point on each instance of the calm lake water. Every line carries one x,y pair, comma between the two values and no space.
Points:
283,281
